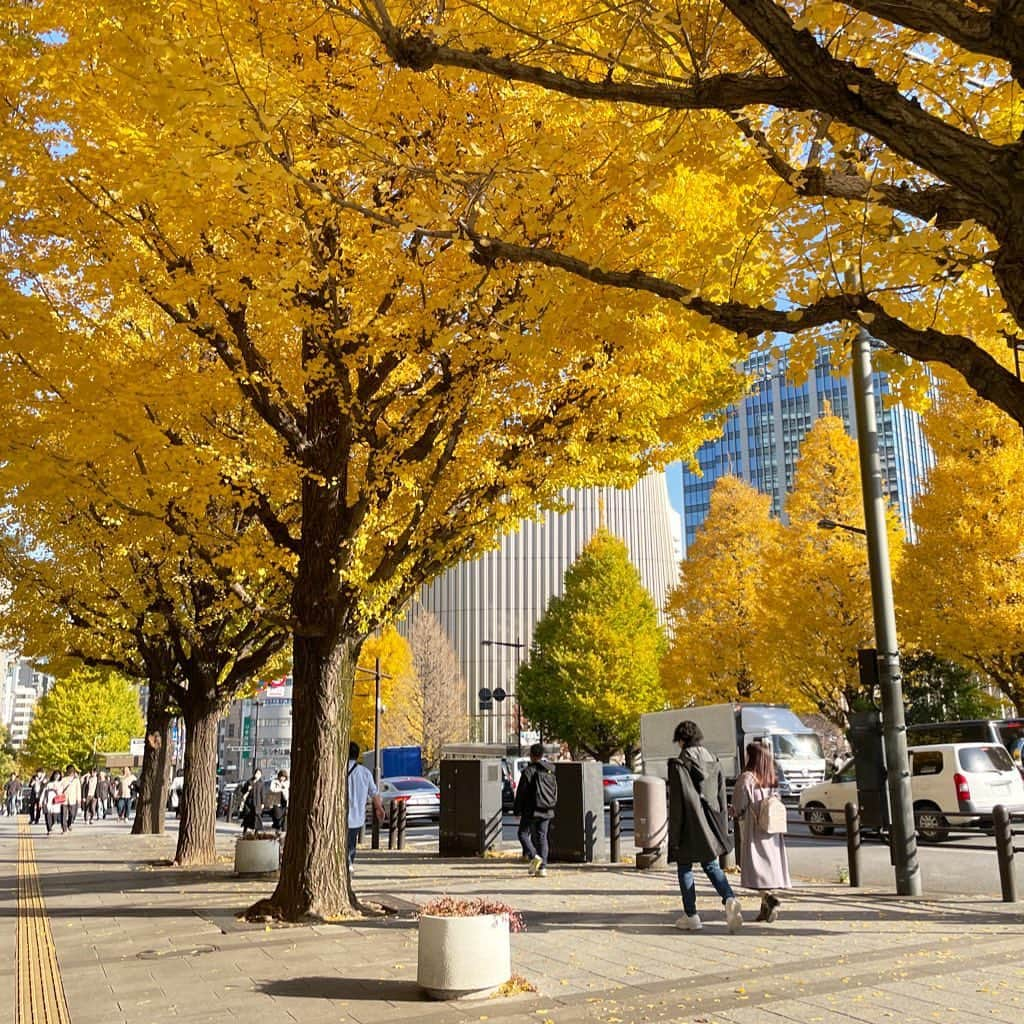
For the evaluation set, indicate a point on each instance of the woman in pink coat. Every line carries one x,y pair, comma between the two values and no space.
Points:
763,864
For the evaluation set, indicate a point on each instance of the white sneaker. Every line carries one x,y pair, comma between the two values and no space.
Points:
733,914
689,923
542,872
535,865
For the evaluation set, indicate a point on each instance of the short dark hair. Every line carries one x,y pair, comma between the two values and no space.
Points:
688,733
353,751
537,751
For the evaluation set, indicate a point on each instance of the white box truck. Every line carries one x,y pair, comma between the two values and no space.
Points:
728,728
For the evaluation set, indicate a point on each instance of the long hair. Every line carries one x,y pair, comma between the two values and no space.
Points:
761,765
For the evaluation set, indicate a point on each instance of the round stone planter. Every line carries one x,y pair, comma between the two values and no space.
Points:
257,856
463,957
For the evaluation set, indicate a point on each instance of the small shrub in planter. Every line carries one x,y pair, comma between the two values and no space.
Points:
258,853
464,948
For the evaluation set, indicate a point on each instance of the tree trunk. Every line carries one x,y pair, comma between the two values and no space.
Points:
197,829
314,879
154,779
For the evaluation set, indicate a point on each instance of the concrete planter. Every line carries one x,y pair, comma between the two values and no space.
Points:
257,856
464,957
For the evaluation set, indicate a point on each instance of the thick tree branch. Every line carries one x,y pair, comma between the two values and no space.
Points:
946,205
982,371
996,34
420,52
860,98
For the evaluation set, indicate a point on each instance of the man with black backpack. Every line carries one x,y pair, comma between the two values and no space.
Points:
536,797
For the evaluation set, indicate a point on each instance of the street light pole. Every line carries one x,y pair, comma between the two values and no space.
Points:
256,736
377,677
901,801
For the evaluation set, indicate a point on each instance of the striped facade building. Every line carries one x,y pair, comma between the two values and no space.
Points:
500,596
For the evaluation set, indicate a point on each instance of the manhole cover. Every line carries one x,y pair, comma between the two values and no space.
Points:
168,954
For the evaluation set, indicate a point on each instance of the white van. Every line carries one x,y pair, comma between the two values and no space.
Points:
946,779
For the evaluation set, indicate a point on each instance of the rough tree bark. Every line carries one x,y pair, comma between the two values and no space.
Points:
154,779
197,828
314,870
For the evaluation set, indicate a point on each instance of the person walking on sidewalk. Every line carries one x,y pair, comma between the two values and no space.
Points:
277,800
361,787
252,806
764,865
72,797
53,802
536,797
36,786
12,794
124,783
698,824
103,794
89,782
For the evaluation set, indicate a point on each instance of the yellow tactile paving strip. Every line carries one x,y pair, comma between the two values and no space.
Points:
39,997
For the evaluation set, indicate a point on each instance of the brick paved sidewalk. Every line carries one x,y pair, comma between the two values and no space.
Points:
140,943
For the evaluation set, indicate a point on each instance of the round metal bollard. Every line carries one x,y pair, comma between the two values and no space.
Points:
650,822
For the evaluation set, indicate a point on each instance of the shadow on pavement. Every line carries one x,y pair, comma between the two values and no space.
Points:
346,988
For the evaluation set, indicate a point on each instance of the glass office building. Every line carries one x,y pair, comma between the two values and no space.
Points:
763,433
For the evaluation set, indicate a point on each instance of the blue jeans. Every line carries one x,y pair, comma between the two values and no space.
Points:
689,890
353,838
533,837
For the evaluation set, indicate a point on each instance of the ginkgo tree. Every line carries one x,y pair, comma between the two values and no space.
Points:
891,129
229,188
818,595
593,665
961,588
717,615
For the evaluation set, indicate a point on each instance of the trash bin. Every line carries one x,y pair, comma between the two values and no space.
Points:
650,822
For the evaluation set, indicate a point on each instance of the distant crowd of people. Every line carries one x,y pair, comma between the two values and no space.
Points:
56,799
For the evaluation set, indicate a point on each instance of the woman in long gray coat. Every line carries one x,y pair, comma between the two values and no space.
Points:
763,865
698,824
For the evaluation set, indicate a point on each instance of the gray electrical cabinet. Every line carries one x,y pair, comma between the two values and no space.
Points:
470,807
577,834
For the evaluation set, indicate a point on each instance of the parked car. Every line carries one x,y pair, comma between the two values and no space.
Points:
618,783
422,798
948,779
511,770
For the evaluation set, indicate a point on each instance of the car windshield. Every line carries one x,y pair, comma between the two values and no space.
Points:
800,748
405,785
985,759
614,769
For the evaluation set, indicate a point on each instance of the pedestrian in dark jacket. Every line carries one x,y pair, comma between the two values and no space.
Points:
252,807
698,829
535,808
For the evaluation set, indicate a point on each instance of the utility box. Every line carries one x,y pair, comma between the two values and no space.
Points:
577,834
470,807
865,736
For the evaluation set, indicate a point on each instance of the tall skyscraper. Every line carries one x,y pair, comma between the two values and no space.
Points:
500,596
763,433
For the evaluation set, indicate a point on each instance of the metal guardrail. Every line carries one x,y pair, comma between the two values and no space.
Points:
1000,827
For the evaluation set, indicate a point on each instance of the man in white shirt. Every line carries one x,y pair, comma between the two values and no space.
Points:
360,788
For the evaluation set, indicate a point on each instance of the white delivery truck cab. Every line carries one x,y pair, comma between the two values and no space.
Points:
728,728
